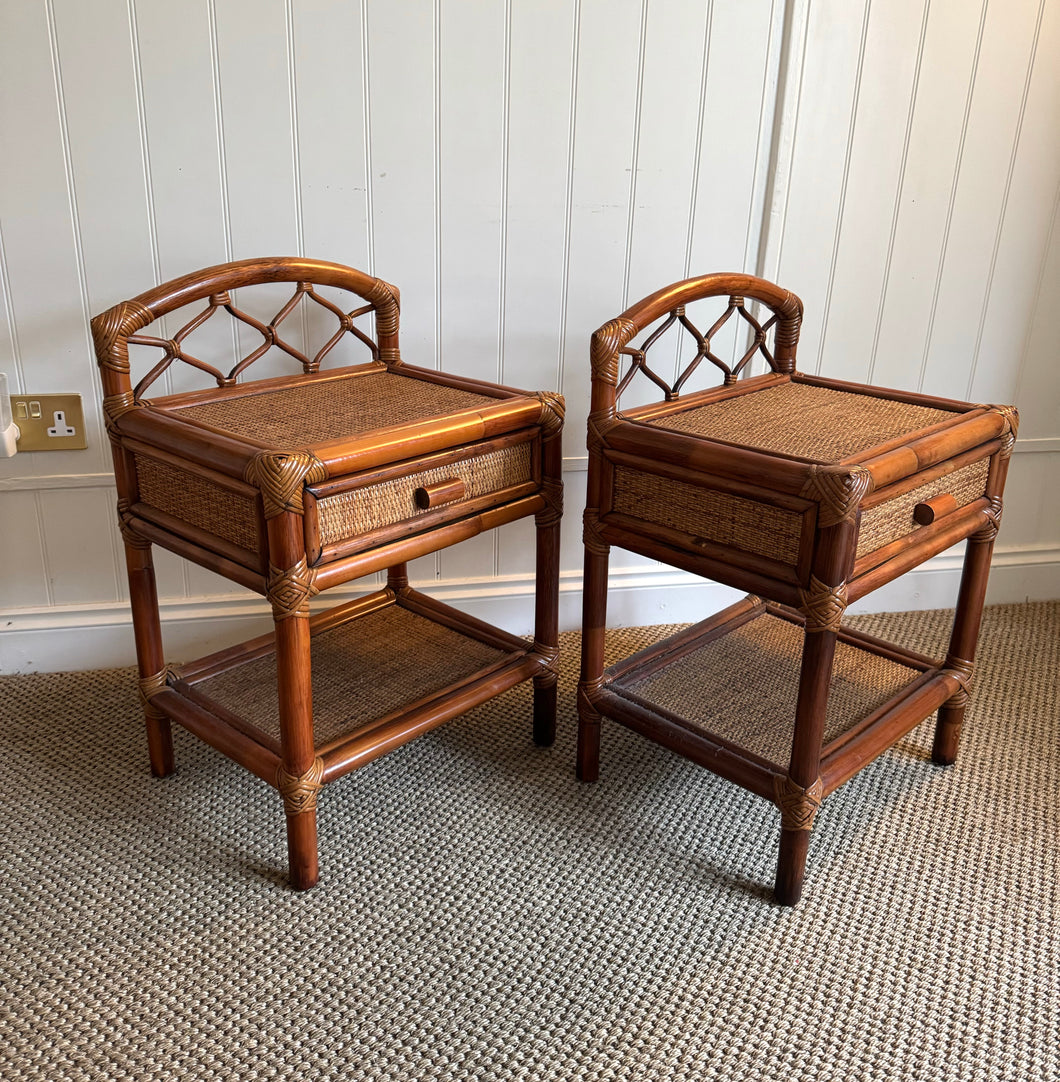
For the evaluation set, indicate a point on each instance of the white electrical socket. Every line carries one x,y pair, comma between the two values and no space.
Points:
59,426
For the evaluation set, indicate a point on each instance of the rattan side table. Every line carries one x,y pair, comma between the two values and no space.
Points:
807,492
293,485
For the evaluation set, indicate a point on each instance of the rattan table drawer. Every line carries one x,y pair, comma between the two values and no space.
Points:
773,532
351,514
888,515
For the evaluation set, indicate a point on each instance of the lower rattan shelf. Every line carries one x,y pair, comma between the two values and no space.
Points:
384,669
725,692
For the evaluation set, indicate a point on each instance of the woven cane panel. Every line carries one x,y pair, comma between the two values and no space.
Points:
720,517
889,521
350,514
199,502
315,411
743,687
362,671
809,422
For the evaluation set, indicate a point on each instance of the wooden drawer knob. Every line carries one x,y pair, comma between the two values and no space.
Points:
943,504
452,488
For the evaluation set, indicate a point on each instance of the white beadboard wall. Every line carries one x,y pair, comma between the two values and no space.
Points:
523,170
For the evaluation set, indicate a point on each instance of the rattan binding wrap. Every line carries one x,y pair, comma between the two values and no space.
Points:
350,514
752,674
198,501
887,522
798,419
719,517
321,410
362,671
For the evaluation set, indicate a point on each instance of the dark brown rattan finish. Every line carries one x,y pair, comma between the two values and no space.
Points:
292,485
804,491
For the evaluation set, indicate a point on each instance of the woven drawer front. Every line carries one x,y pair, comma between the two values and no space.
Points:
893,519
198,501
719,517
361,510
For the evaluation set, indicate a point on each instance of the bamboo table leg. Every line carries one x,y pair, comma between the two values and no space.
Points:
961,654
799,793
147,630
546,604
546,627
594,621
300,775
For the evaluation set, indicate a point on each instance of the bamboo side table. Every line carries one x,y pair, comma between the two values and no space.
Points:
809,493
293,485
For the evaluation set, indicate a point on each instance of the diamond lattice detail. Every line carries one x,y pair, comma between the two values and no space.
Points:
173,348
639,354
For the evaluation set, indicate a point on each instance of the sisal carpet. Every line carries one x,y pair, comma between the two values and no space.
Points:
483,916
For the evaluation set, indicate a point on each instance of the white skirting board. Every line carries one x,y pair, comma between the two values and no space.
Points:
100,636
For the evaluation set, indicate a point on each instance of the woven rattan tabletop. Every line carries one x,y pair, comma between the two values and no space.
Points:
318,411
807,421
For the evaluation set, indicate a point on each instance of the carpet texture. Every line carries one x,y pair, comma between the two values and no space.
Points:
481,915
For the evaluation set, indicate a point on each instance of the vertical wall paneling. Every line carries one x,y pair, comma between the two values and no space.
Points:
1038,389
980,195
330,82
832,62
404,156
608,76
667,133
943,96
1023,239
23,584
47,291
733,144
10,354
894,37
472,106
780,149
472,170
401,101
78,525
255,90
179,100
328,62
1031,509
45,296
540,105
740,66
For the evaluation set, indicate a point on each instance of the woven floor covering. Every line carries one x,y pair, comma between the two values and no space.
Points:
482,915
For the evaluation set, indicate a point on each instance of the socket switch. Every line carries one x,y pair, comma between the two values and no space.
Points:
49,422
